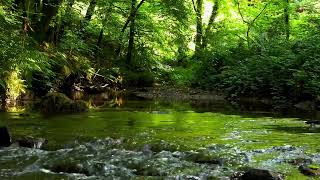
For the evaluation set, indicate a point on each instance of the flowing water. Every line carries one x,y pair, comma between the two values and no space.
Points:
155,140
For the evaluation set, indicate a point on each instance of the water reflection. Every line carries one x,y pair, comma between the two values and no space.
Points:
161,126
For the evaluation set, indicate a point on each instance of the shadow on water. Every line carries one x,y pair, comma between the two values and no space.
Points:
293,130
245,110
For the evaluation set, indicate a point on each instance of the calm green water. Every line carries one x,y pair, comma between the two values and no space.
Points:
119,141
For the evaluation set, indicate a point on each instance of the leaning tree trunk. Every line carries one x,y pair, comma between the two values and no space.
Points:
213,17
198,39
90,10
287,20
131,17
131,34
88,16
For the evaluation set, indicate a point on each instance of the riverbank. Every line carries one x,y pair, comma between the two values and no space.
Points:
204,96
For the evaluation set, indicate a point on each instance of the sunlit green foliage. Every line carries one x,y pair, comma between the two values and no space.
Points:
246,48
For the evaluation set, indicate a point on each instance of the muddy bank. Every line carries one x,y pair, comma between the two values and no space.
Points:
199,96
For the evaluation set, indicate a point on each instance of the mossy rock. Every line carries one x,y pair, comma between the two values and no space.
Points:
163,146
60,103
204,158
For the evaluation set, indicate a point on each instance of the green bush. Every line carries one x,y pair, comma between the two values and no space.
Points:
284,72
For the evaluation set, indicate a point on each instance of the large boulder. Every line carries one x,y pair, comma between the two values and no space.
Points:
59,103
257,174
5,139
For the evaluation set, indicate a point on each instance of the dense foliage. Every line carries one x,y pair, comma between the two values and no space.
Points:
261,48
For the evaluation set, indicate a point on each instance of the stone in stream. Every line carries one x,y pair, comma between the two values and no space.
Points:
24,115
299,161
313,122
257,174
5,139
204,158
309,170
69,167
31,142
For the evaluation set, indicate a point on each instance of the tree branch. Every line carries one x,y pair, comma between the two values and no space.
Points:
264,8
242,17
250,24
132,15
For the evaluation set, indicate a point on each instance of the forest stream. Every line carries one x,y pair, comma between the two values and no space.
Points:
156,140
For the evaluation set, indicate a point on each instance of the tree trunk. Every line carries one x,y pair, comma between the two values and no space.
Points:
49,10
132,33
36,7
25,20
65,20
131,17
198,39
88,16
100,38
287,20
4,102
90,10
213,17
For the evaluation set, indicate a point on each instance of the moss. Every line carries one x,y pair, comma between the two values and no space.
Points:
58,102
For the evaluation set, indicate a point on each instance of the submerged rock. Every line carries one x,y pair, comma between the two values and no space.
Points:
312,123
69,167
58,102
163,146
204,158
299,161
309,170
5,139
24,115
256,174
31,142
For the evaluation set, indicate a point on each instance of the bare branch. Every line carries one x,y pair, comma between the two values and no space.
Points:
242,17
264,8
